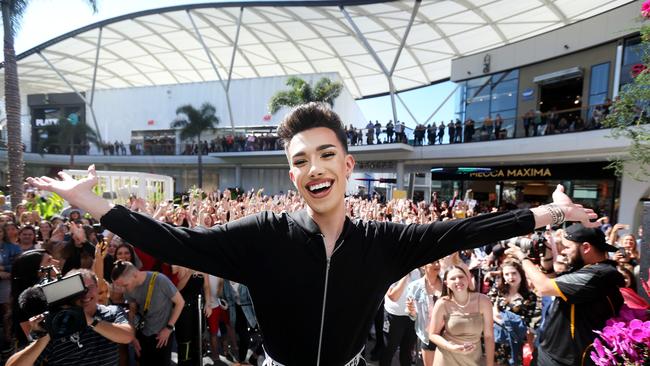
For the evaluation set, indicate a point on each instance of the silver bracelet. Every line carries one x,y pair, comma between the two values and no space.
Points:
557,215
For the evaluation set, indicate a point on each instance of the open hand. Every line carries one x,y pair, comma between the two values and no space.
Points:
163,337
574,211
67,187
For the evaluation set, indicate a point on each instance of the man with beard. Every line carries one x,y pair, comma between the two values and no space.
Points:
339,268
584,298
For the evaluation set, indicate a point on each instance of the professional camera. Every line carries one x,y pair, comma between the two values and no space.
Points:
534,247
56,299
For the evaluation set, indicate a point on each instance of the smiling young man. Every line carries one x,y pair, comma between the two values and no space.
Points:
338,270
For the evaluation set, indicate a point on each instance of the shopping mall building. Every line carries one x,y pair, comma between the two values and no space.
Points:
126,76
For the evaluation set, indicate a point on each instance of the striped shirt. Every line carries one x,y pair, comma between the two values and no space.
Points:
89,348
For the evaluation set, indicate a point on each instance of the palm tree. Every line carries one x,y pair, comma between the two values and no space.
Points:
302,92
12,14
67,136
193,122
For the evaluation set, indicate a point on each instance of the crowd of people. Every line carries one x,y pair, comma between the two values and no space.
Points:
463,294
472,284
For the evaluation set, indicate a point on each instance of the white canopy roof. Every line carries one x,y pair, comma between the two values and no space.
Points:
161,46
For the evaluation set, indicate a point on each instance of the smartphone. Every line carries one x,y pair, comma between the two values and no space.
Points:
622,252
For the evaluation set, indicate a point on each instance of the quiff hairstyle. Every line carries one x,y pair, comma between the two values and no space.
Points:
308,116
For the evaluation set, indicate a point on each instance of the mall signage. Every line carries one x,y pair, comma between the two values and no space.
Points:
43,122
525,172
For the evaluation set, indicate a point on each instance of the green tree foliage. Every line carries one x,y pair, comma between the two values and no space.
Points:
325,90
192,123
12,16
46,206
629,116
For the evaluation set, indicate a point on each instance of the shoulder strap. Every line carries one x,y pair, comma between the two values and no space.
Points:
150,291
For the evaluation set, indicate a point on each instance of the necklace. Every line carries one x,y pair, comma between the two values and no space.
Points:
466,302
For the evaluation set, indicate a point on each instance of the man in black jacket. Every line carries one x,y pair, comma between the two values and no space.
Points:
336,270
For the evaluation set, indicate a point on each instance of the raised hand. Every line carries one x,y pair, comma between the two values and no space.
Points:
573,211
77,192
67,187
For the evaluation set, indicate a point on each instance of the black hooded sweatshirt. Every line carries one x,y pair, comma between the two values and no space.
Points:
312,310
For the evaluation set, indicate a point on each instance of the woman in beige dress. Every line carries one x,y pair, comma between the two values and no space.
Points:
459,318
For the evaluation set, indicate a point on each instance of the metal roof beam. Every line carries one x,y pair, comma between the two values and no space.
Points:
380,63
214,67
443,103
558,13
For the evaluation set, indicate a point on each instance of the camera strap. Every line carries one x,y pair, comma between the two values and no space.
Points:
147,302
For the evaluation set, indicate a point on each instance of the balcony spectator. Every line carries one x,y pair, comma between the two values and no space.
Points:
390,130
431,133
399,131
370,132
377,131
441,132
498,126
458,131
451,129
528,121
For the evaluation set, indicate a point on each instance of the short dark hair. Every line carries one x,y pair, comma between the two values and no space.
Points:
121,268
308,116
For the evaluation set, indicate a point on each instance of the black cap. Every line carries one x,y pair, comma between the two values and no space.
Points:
594,236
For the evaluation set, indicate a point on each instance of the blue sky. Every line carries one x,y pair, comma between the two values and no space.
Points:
47,19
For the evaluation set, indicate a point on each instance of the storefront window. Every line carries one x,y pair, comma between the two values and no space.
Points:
632,57
488,96
598,85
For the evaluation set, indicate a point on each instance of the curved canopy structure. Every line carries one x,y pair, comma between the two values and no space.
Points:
364,41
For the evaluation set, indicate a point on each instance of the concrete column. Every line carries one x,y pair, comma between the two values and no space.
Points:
632,191
427,190
400,175
179,143
238,175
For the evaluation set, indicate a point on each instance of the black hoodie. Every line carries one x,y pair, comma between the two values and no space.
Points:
312,310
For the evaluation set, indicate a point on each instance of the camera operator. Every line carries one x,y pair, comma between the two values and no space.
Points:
95,345
584,298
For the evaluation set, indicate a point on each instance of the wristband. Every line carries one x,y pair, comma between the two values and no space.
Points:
96,321
557,215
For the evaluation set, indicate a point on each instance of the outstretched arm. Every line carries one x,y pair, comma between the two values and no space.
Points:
77,192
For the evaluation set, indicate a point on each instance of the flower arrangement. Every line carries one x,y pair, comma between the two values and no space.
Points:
625,340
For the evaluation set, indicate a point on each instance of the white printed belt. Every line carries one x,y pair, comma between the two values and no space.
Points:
355,361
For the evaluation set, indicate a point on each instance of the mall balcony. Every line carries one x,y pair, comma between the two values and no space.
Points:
487,162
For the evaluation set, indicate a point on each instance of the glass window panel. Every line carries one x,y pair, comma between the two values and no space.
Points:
633,52
599,82
478,81
504,95
478,110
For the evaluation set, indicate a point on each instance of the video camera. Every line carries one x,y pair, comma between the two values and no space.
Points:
56,300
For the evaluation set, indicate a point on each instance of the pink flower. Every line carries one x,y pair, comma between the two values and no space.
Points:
645,9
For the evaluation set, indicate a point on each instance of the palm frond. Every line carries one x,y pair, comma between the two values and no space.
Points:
325,90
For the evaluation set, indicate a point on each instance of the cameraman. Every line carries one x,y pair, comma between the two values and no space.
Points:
584,298
95,345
